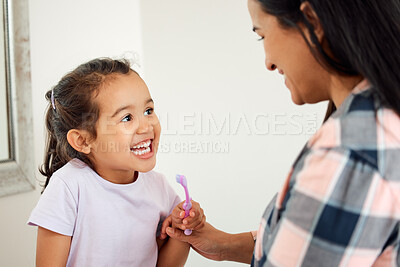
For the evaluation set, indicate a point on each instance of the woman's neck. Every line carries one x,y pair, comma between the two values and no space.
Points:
341,87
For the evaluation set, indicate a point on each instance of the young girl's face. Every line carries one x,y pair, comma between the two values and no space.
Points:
128,130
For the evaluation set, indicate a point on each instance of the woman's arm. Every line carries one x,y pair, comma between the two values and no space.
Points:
52,249
172,253
239,248
215,244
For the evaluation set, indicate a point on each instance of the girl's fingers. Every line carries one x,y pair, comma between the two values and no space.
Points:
192,223
167,223
195,220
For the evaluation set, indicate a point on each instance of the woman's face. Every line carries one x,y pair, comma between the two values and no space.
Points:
287,52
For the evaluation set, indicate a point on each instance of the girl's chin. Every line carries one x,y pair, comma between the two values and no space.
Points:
146,167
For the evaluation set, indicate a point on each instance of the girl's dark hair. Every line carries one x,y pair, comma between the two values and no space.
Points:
363,37
74,108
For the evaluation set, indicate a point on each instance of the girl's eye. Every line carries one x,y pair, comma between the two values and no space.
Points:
149,111
260,39
127,118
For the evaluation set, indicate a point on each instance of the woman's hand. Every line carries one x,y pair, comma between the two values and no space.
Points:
213,243
207,241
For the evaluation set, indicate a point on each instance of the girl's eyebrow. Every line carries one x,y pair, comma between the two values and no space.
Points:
129,107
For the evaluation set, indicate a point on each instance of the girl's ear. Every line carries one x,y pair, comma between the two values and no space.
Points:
78,139
313,19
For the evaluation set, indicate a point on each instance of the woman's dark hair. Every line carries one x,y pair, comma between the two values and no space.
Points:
74,108
363,36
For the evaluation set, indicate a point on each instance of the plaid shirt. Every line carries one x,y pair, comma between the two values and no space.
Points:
340,205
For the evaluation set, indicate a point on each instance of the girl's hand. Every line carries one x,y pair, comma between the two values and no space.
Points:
194,221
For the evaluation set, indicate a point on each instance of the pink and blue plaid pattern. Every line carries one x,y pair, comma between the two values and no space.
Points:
340,205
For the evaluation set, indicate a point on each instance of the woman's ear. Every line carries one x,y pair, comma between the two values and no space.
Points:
313,19
78,139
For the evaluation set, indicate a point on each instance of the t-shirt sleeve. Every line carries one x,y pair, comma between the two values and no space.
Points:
170,200
56,209
173,198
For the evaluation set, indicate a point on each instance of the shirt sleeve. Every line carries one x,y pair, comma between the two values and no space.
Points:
173,197
56,209
338,211
171,200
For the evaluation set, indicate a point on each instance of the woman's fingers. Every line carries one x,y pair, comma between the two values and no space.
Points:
201,224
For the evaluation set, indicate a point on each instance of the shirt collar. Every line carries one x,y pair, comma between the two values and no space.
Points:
361,86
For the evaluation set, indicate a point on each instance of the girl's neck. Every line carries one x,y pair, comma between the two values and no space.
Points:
118,177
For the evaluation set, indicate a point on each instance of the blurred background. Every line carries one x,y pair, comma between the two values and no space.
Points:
228,124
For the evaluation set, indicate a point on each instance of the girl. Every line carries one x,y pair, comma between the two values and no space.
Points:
102,204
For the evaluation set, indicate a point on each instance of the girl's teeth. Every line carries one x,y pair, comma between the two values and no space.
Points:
146,144
141,152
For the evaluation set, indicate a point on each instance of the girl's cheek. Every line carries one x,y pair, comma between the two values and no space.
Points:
130,127
155,122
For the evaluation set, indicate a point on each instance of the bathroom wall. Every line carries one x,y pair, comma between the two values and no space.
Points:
228,124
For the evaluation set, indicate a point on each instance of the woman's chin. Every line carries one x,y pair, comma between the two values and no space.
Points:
296,100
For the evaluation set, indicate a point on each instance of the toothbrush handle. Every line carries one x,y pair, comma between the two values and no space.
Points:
187,206
188,232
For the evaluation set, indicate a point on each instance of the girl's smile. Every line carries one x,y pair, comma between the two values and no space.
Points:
143,149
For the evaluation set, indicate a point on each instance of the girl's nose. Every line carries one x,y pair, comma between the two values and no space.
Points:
144,126
269,65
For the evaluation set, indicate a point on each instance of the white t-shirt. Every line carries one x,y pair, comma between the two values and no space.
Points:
110,224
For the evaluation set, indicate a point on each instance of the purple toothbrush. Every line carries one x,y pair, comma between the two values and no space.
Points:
181,179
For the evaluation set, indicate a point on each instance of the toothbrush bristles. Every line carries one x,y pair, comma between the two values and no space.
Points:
181,179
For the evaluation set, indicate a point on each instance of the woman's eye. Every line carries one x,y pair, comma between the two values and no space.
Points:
149,111
127,118
260,39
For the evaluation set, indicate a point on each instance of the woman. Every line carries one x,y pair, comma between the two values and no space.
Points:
340,204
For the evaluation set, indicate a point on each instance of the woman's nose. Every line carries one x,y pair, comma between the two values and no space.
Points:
269,65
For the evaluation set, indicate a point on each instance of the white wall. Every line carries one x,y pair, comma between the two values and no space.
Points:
202,59
63,35
202,63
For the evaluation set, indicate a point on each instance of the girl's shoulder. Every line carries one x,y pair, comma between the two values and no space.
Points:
72,172
72,168
153,177
157,181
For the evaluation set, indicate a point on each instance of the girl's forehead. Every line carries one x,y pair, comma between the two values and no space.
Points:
123,90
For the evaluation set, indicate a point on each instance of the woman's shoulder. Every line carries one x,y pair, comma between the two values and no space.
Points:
362,122
366,129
